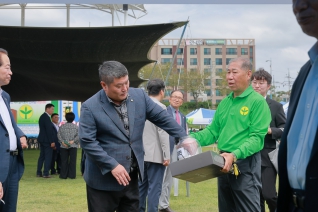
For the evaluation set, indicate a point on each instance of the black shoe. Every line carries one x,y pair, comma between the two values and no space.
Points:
48,176
168,209
39,175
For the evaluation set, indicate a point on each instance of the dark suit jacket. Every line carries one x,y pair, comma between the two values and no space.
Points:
184,125
285,192
47,131
105,141
55,139
278,121
5,144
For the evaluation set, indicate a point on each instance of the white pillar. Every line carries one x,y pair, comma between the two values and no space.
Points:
67,15
23,14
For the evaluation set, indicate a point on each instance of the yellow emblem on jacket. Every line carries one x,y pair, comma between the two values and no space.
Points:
244,111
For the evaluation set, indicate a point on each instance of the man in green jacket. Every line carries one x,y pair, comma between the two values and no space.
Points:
239,125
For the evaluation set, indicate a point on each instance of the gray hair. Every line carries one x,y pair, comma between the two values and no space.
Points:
2,51
246,63
110,70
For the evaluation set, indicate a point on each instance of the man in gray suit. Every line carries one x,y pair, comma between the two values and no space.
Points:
176,100
157,154
110,131
12,142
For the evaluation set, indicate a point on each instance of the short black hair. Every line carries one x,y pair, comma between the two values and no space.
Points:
110,70
70,117
49,106
54,114
155,86
261,74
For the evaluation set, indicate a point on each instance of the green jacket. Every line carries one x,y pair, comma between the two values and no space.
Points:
239,124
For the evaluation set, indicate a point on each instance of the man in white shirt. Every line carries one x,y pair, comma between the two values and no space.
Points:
12,142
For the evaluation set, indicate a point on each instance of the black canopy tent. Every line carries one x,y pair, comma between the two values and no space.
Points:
62,63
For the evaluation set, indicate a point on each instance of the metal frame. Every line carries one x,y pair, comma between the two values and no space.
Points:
108,8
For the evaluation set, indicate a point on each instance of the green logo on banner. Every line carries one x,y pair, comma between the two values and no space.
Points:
25,111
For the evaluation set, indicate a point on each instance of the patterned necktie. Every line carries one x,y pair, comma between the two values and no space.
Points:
178,117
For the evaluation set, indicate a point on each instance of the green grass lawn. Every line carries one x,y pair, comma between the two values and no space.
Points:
55,194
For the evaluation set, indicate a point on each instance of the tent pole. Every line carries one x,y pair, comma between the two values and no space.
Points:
175,54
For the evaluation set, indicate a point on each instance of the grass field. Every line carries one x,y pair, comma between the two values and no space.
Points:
55,194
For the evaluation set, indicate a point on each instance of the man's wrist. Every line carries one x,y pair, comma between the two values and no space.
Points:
234,157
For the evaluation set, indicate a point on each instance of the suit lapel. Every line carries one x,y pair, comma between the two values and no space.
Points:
111,112
131,103
5,102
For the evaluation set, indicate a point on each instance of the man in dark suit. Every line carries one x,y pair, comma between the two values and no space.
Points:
46,141
298,151
56,157
176,100
110,131
261,83
12,141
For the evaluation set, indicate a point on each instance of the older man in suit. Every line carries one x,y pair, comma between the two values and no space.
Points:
12,141
176,100
46,140
261,83
157,154
110,131
298,151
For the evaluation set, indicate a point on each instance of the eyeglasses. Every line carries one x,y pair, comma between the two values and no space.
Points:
176,97
261,83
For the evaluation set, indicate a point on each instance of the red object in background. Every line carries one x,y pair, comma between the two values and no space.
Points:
14,112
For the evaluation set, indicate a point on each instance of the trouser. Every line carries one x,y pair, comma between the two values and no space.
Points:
150,187
126,200
269,193
11,187
45,157
242,193
68,163
167,183
56,162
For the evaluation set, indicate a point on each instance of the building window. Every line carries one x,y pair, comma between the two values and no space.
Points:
179,61
166,60
251,50
207,82
231,51
218,61
218,70
166,51
208,92
228,60
218,82
244,51
218,101
207,70
193,69
218,51
207,51
207,61
180,51
193,51
193,61
218,93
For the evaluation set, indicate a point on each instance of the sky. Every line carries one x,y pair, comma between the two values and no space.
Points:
277,35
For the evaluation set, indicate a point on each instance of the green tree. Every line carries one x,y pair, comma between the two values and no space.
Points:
190,81
221,84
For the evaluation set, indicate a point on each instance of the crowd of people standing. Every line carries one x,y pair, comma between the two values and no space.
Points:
246,125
